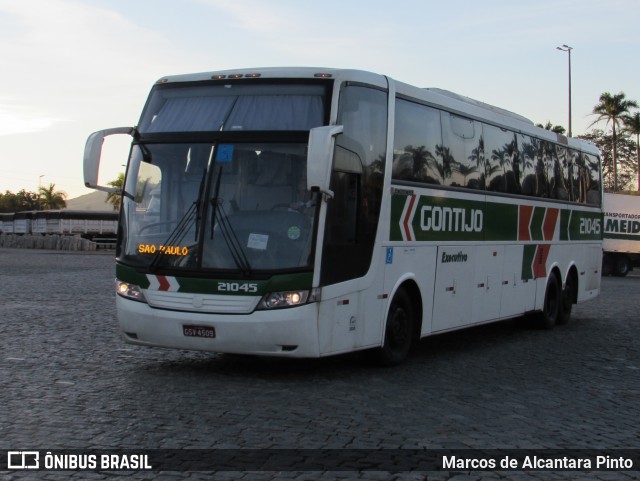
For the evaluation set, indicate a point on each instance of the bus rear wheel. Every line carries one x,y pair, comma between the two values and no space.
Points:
550,313
567,299
399,331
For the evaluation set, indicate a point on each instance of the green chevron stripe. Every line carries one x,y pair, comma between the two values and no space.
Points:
536,223
529,253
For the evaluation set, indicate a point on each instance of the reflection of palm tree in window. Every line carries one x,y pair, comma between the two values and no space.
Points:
465,171
582,179
515,164
377,166
477,156
509,154
444,168
529,184
504,156
547,169
541,178
422,159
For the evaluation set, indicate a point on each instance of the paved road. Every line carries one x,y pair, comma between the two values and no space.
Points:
68,381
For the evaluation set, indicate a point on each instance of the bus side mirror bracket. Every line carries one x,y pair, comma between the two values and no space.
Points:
92,154
320,157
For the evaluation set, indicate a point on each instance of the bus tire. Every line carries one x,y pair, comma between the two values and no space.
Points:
548,317
569,294
399,331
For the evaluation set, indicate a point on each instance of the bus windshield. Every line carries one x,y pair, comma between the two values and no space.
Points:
233,108
234,207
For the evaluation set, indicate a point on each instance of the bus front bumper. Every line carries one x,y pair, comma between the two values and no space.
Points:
291,332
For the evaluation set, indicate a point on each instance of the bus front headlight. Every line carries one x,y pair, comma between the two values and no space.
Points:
275,300
129,291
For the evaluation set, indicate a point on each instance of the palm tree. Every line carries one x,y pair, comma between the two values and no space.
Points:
613,108
115,198
48,198
632,126
558,129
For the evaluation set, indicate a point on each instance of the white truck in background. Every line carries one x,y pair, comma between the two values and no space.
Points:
621,239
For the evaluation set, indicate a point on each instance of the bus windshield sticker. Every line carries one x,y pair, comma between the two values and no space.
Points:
258,241
224,155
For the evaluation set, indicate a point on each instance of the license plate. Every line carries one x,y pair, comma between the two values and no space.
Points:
199,331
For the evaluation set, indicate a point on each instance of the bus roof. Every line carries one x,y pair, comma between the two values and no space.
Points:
450,101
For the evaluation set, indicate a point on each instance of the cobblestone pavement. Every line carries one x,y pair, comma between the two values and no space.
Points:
69,381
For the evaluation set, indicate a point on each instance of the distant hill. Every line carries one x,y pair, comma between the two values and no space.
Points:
93,201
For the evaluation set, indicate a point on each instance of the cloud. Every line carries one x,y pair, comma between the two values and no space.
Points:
255,16
66,58
20,119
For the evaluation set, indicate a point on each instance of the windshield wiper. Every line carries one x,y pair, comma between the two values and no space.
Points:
177,234
180,231
228,233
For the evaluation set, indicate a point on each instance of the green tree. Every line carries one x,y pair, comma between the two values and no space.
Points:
612,109
26,200
626,158
632,126
48,198
115,198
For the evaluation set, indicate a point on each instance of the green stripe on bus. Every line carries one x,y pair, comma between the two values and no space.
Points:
427,218
240,287
529,253
536,223
501,222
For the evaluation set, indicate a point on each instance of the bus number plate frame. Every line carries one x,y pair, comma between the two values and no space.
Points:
191,330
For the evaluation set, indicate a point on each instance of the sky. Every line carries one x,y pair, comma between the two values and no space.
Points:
71,67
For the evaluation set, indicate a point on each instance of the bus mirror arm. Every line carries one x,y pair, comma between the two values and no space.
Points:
320,158
326,194
92,154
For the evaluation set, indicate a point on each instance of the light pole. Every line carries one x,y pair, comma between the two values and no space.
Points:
40,181
566,48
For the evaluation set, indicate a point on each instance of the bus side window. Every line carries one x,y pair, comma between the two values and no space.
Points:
592,179
460,156
342,230
357,178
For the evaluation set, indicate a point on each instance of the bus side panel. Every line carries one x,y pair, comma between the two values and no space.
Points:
594,272
453,293
518,293
351,313
488,283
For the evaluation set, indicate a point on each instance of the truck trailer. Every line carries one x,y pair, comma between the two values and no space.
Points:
621,239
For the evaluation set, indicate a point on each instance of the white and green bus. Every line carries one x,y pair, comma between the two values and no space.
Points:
310,212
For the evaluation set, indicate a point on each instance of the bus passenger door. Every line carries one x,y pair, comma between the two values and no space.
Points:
453,294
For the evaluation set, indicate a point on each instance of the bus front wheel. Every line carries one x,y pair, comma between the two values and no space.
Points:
399,331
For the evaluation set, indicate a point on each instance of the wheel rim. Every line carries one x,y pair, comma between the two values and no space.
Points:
398,331
567,298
